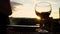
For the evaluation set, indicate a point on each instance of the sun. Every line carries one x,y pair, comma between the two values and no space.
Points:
38,18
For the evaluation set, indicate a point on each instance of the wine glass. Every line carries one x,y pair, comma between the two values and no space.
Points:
43,10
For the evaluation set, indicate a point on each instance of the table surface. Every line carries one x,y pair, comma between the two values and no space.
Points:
24,25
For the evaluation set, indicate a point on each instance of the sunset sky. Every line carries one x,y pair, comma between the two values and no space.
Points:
27,9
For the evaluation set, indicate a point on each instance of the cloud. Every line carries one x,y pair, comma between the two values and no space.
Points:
15,4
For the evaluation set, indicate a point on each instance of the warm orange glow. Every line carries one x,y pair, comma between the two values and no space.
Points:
38,18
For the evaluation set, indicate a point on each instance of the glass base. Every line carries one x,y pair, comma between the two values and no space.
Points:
43,31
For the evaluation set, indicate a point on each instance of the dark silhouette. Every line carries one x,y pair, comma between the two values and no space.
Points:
43,14
52,25
5,11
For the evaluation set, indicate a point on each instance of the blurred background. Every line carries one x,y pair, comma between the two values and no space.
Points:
23,12
26,9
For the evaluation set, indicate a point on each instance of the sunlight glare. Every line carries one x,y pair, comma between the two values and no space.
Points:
38,18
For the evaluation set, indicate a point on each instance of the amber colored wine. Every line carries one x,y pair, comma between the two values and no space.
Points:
43,14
